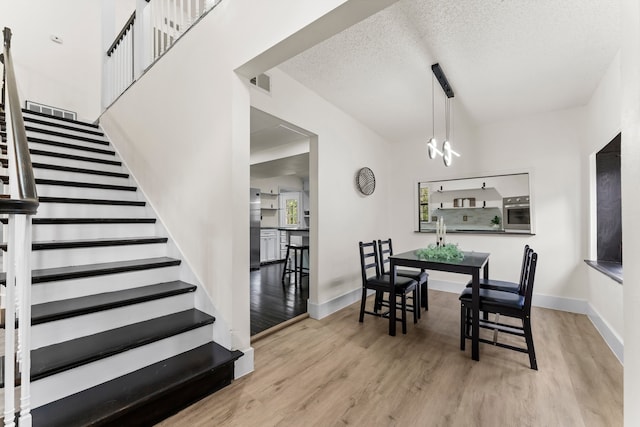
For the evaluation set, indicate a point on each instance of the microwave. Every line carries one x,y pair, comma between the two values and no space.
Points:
516,213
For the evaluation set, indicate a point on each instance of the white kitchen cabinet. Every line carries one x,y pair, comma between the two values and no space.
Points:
269,245
283,243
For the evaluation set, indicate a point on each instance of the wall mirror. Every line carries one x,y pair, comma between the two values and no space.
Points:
488,204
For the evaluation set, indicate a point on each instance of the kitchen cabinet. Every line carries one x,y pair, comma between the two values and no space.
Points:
269,245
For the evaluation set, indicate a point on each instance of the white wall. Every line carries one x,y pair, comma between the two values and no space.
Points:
630,112
52,73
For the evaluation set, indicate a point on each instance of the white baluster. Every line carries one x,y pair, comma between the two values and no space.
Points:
23,285
10,322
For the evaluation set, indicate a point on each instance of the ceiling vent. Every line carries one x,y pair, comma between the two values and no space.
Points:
262,81
52,111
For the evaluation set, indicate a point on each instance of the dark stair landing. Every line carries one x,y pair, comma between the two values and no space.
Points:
147,396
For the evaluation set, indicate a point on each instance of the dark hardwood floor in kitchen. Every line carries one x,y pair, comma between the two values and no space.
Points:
271,302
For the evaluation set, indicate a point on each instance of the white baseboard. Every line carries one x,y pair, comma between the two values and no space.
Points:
319,311
244,365
612,339
571,305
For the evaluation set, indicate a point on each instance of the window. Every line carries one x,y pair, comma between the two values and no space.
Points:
607,237
609,203
289,209
424,203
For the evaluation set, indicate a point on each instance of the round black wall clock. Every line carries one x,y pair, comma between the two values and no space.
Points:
366,181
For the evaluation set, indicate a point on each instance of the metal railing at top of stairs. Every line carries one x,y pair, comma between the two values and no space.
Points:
149,33
21,205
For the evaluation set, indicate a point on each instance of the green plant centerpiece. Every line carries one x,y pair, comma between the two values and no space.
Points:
496,221
448,252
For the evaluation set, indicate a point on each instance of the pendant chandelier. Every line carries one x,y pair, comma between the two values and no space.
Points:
447,152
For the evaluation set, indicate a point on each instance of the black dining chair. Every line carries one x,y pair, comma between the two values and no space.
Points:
502,303
385,250
372,278
503,285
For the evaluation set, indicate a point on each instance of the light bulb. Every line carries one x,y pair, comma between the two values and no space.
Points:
432,148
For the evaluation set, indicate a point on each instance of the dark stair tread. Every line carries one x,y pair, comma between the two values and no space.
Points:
56,358
63,309
79,122
136,398
91,201
100,269
61,221
62,183
91,243
62,126
35,152
66,135
79,170
71,146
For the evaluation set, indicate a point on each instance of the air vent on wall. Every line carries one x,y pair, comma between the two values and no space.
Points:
262,81
52,111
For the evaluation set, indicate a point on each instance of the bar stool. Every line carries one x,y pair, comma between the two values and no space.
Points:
298,270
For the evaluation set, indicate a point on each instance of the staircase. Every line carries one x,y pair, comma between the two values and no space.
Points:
116,337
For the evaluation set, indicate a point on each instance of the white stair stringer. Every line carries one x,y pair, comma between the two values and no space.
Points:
72,381
58,331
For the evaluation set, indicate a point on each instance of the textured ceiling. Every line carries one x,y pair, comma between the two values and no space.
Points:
503,59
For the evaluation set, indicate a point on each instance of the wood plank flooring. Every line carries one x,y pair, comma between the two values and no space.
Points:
338,371
272,303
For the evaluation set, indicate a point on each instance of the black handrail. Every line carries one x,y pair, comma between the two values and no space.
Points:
122,33
27,200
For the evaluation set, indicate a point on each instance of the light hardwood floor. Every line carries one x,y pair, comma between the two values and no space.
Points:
338,371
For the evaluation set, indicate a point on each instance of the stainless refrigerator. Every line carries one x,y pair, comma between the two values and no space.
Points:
254,228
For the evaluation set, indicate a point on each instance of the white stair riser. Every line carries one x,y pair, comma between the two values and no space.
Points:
83,377
74,288
49,160
67,329
80,210
52,258
91,231
80,177
63,130
86,193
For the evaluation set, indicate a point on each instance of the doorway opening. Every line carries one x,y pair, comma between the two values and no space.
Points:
279,176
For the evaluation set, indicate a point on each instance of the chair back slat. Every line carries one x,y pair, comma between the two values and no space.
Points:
385,250
525,260
530,275
369,260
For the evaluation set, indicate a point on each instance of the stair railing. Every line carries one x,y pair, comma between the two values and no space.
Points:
21,205
150,31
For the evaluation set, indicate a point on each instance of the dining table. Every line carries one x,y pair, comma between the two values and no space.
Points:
472,263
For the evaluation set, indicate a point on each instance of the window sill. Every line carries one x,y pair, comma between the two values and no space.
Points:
609,269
